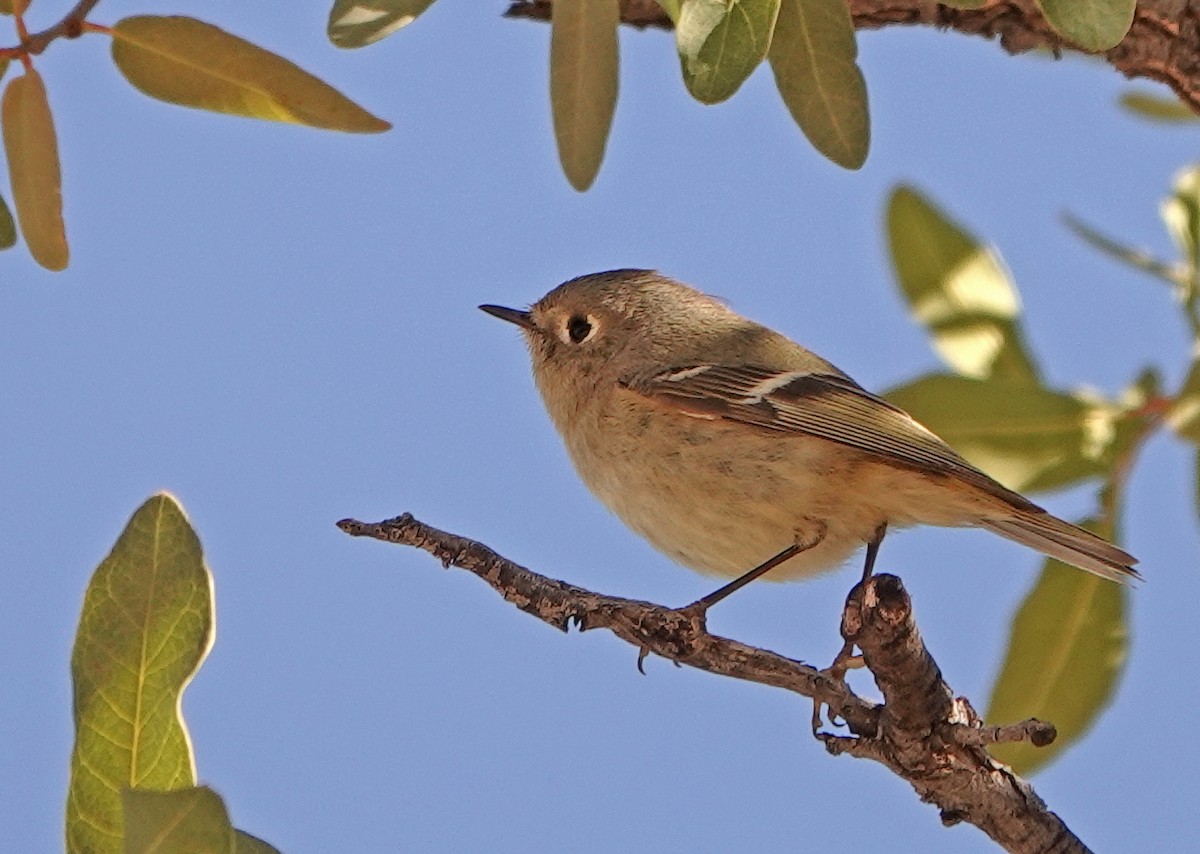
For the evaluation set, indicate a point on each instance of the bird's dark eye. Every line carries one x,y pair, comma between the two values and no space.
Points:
578,328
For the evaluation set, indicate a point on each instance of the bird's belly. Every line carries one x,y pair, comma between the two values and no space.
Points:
725,511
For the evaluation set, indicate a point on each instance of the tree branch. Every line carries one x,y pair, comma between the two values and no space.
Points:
921,731
1163,43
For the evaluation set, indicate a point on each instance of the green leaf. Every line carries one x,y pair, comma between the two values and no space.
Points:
1169,110
31,145
1197,483
583,83
958,288
1181,213
1026,436
188,62
720,42
358,23
813,55
1136,258
1183,416
247,844
1091,24
8,228
146,625
1065,655
192,820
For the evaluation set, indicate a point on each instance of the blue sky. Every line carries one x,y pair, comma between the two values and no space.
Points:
278,325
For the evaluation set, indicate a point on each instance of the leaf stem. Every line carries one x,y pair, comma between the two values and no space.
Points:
71,26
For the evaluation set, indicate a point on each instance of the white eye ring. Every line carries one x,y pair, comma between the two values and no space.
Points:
578,328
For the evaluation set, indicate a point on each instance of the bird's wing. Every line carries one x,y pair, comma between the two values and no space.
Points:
827,406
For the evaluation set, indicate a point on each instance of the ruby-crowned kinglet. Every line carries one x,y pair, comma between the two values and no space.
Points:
725,444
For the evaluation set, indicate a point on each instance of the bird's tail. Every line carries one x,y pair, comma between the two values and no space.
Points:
1066,542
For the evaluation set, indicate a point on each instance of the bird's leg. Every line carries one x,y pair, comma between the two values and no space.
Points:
873,551
846,659
700,606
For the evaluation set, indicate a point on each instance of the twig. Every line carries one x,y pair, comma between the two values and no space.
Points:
921,731
69,27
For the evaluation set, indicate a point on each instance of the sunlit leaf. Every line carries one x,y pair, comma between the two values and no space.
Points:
357,23
1091,24
1181,213
1065,655
1169,109
583,83
1136,258
8,228
813,54
958,288
1028,437
146,625
194,64
32,149
720,42
192,820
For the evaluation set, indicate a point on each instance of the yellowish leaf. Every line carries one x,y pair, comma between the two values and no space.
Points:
583,83
8,228
1066,652
32,150
188,62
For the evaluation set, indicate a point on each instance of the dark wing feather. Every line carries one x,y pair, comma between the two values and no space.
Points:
828,406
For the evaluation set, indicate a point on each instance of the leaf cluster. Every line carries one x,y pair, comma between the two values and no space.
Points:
1069,638
172,58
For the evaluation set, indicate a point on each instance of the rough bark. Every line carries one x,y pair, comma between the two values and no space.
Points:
921,731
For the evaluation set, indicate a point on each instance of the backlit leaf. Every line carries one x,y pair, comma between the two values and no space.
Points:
720,42
146,624
1091,24
32,149
1180,212
1065,655
192,820
357,23
1029,438
583,83
8,228
1184,413
1168,109
958,288
813,55
194,64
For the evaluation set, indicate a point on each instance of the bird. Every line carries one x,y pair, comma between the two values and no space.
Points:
737,452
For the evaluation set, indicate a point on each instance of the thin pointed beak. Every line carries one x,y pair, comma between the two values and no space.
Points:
512,315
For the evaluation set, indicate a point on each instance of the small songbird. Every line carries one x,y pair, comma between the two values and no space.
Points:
736,451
